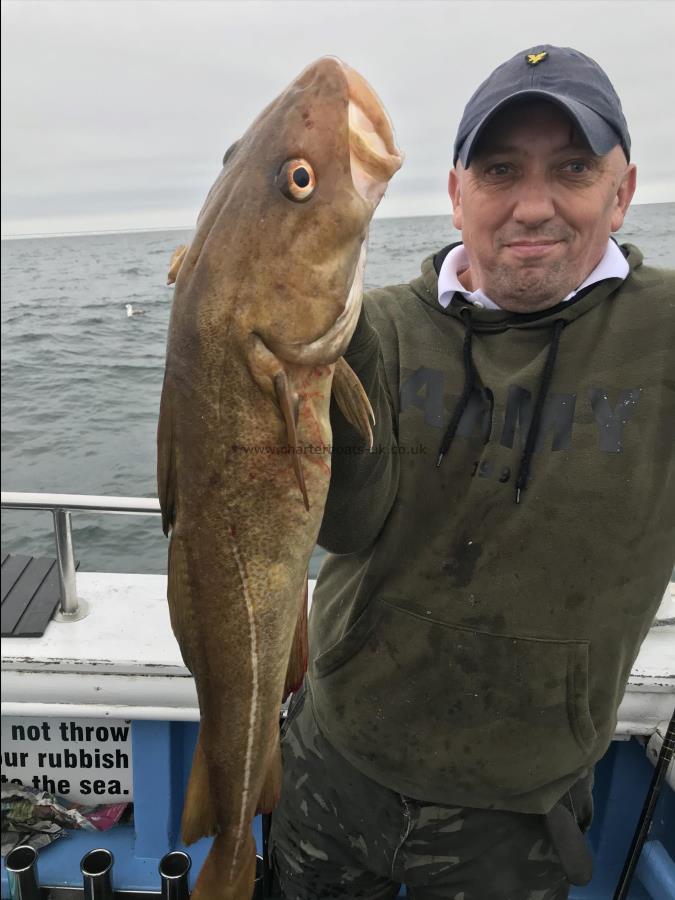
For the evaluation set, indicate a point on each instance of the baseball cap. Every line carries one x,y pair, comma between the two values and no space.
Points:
561,75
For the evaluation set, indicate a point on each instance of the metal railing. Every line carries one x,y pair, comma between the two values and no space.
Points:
61,506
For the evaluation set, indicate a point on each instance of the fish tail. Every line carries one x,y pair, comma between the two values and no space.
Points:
219,879
199,815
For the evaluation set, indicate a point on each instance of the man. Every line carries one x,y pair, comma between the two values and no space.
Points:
498,559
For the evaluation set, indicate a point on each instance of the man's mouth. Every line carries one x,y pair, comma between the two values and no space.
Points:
532,249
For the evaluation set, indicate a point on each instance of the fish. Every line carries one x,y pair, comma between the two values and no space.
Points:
175,263
267,296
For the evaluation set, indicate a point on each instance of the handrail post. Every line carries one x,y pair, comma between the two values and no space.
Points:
71,609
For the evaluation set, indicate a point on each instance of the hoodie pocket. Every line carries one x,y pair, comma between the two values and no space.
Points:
497,715
350,643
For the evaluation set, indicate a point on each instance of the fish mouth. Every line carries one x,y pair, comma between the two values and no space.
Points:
330,346
373,153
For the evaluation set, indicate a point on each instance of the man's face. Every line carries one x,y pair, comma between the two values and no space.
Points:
536,207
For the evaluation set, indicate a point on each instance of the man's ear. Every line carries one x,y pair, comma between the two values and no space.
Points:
455,198
624,195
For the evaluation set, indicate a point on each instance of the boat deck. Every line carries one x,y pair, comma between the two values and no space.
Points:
121,662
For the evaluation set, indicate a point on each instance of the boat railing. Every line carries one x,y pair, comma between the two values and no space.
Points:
72,609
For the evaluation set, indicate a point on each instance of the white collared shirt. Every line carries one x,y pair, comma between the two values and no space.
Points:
612,265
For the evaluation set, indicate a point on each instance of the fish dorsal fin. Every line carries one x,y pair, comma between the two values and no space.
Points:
199,815
353,400
177,258
166,466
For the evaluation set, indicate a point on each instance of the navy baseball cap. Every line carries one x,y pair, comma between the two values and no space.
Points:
563,76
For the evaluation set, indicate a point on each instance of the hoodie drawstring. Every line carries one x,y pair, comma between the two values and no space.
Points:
469,382
535,424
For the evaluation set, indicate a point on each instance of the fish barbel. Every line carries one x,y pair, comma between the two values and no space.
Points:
267,297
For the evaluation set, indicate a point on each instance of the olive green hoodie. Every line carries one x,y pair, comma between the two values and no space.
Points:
466,648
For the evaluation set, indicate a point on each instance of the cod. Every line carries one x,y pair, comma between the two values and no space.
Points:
267,296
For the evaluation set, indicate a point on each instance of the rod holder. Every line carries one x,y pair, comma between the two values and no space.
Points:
71,609
21,867
259,884
96,867
268,875
174,869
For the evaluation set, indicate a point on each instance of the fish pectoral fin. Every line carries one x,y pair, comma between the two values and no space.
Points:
353,400
267,369
288,403
297,661
177,258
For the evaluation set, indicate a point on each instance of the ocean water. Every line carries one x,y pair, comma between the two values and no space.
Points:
81,381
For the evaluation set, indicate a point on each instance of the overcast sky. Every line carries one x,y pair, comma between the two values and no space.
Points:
116,114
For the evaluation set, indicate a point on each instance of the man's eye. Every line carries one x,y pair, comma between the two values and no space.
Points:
577,167
499,169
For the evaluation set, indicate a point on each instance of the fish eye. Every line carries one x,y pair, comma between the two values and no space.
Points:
296,180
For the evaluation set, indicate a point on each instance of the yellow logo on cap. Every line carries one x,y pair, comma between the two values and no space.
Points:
534,58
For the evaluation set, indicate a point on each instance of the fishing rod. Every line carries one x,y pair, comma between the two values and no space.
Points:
664,760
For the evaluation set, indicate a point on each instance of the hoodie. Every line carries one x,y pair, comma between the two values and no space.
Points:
496,561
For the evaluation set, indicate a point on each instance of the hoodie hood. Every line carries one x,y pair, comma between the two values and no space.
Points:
425,286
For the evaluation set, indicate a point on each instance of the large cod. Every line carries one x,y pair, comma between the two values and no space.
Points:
267,297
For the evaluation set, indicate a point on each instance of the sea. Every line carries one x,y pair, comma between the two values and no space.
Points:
81,380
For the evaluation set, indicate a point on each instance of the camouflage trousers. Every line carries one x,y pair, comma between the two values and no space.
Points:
338,834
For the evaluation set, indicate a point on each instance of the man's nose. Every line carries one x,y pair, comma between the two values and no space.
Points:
534,203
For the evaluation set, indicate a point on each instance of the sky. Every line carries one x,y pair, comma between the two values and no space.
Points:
115,115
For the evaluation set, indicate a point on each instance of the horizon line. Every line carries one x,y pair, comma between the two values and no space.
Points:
152,228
